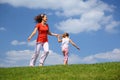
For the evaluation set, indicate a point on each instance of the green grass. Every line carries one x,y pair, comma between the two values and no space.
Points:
99,71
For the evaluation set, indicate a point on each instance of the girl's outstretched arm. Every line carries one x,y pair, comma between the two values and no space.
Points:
59,39
74,44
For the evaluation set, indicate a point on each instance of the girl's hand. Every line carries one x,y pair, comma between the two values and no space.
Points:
58,35
78,48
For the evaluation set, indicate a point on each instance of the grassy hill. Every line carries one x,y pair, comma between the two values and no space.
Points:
99,71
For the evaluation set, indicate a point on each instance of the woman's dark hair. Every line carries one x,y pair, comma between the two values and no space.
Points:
39,17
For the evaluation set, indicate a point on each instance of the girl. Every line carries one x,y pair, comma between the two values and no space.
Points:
42,39
65,41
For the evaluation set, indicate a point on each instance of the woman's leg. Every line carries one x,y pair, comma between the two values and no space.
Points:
36,54
45,54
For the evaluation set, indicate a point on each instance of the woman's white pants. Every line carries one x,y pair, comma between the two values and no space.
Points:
45,47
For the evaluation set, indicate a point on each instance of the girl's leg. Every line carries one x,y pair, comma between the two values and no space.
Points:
36,54
65,53
45,54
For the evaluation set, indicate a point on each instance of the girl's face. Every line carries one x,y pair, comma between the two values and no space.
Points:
63,35
45,18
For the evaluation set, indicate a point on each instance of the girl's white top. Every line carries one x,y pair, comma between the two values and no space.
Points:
65,42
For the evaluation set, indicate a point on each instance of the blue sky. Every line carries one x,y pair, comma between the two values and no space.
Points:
94,25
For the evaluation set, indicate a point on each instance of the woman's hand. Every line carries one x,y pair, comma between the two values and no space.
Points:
29,38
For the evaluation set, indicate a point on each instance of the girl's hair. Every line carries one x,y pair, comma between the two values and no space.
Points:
65,34
39,17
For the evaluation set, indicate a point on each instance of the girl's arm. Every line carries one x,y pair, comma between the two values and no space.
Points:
32,34
59,39
74,44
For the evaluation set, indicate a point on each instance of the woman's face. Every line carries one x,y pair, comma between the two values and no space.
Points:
45,18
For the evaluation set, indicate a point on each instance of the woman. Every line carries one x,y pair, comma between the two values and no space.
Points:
65,43
42,39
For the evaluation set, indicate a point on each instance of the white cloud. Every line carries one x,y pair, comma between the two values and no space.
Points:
102,57
22,58
2,29
16,58
92,13
111,55
62,7
74,59
92,18
112,27
87,22
16,42
91,21
33,4
18,55
32,43
89,59
54,58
